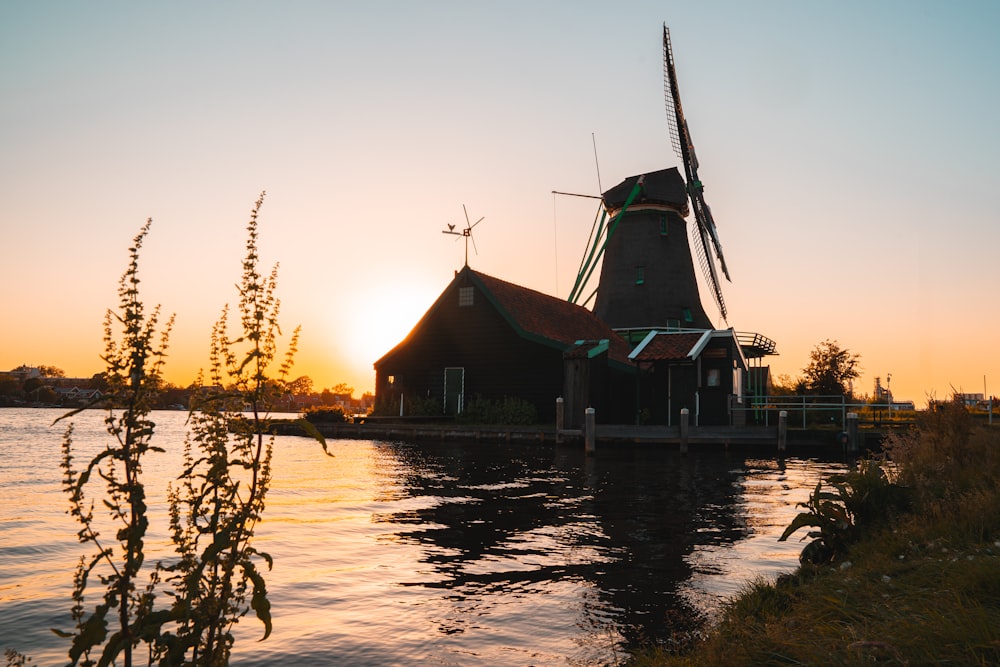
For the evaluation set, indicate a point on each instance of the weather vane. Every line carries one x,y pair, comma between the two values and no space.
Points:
467,233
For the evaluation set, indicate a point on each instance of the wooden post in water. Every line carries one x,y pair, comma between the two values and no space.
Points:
685,417
782,431
852,432
560,418
590,431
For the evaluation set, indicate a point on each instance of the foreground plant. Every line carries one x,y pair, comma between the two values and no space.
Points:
864,498
227,471
216,577
134,362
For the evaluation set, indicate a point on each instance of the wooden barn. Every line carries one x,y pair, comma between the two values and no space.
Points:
491,339
703,371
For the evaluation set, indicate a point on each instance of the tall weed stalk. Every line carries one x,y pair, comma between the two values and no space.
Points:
220,497
134,363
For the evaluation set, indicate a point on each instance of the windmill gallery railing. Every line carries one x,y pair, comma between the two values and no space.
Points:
811,410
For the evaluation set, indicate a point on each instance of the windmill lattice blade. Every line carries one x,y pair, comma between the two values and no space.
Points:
708,266
709,222
673,104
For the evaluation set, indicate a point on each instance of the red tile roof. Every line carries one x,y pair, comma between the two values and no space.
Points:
670,346
539,315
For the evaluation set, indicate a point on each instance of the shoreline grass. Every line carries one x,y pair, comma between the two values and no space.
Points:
914,587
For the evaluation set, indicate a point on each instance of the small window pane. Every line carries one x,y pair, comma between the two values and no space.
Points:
465,296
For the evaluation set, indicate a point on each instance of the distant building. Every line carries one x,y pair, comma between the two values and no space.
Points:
76,395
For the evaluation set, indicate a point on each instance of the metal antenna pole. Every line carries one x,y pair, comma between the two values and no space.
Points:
593,139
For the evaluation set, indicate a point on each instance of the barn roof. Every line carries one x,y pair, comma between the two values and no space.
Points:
658,187
533,315
548,319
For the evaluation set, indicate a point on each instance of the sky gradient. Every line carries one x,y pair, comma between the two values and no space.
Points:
848,154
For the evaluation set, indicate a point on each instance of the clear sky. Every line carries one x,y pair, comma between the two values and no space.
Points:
848,152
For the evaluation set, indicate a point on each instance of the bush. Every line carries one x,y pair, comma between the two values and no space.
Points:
507,411
325,414
413,406
862,499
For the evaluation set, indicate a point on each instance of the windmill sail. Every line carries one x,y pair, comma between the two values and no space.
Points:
681,140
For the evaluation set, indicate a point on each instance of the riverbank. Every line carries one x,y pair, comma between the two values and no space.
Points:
920,586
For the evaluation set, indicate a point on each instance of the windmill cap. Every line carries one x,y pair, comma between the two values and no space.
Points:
664,187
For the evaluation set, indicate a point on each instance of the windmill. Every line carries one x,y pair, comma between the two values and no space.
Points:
466,233
647,277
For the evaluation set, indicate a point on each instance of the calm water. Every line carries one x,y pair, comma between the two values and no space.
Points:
436,554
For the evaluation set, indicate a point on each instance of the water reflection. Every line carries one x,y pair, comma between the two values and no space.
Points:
619,528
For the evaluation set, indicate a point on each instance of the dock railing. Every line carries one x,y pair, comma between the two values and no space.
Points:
810,410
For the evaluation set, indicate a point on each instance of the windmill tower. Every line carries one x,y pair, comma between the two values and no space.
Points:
647,277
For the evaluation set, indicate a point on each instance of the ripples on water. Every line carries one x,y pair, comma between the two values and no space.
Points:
436,553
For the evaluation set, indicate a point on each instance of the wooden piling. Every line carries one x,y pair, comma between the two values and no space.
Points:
852,432
560,418
782,431
590,431
685,418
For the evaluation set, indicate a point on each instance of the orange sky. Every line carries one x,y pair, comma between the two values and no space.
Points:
847,152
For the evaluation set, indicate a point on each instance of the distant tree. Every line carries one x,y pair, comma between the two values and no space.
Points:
172,396
342,389
32,384
785,385
300,386
51,372
44,394
9,386
831,369
99,381
338,393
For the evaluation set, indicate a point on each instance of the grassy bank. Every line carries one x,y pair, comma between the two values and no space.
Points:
909,572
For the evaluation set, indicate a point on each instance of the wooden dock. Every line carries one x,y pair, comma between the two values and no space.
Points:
606,434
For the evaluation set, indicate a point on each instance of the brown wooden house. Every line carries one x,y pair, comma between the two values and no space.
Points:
488,338
702,371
